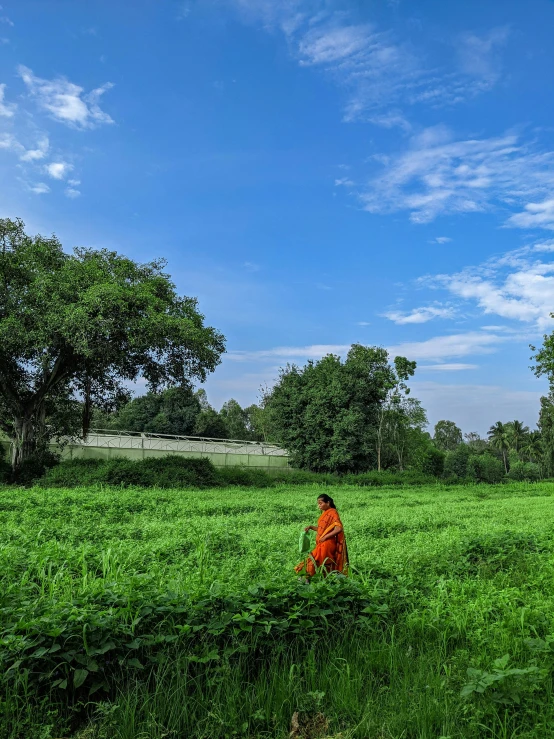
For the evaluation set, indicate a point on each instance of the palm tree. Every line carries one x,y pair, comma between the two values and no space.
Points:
498,438
532,447
517,434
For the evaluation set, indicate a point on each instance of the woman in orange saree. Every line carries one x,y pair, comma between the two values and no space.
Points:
330,551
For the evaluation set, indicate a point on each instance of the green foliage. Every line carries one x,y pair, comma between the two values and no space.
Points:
505,685
210,424
163,472
85,324
447,436
327,413
126,612
235,419
485,468
172,411
432,462
178,471
524,471
245,476
456,462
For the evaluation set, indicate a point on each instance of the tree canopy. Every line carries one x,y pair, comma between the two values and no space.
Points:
84,325
326,414
447,436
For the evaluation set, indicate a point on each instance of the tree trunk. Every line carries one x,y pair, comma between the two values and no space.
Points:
24,441
379,458
505,463
87,409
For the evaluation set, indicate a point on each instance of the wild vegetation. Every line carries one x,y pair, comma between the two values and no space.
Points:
128,613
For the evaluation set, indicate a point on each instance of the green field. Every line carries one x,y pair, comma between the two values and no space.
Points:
175,613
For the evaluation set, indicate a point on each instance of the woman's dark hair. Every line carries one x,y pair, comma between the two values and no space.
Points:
327,499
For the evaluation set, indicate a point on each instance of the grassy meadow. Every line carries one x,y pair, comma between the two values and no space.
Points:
161,613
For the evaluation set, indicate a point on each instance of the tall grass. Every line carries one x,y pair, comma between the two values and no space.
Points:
156,594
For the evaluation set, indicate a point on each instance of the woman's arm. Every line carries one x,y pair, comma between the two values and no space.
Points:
310,528
334,532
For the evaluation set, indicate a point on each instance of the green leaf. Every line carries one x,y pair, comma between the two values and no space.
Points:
79,677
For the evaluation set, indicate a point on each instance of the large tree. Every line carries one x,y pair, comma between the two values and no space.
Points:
84,325
326,414
447,436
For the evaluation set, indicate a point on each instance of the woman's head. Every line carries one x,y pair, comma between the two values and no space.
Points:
325,502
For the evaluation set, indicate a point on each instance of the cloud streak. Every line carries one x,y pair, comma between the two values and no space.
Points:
65,101
381,73
440,175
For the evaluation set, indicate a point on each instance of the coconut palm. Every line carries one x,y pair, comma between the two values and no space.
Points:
532,448
517,434
498,438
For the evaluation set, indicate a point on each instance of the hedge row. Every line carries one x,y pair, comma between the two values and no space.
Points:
173,471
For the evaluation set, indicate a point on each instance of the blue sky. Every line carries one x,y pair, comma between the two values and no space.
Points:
316,173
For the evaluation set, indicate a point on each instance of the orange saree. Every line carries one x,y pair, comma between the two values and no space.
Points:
331,554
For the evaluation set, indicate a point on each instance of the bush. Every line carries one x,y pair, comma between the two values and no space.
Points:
484,468
170,471
379,479
33,468
433,461
524,471
455,463
246,476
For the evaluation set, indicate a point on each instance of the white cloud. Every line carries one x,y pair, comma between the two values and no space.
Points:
380,72
252,267
40,188
65,101
443,239
420,315
535,215
438,348
392,119
446,367
438,175
516,286
479,55
344,182
40,152
289,353
8,142
6,109
71,192
7,21
58,170
74,183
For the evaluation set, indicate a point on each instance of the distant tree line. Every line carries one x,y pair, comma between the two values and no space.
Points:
181,411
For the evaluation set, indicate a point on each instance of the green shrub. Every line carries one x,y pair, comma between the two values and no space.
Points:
484,468
33,468
246,476
386,477
433,461
455,463
524,471
164,472
304,477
